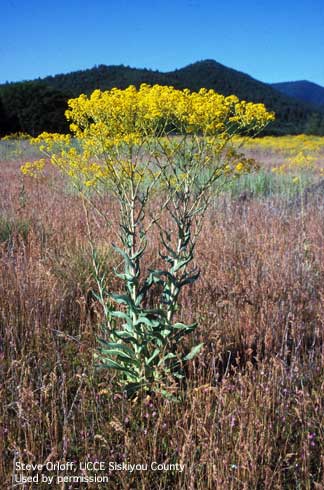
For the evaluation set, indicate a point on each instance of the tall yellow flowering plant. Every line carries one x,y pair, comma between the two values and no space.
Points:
134,143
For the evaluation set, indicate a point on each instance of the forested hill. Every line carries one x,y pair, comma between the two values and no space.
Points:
309,92
19,102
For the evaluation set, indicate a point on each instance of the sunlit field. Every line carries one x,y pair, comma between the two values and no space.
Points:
250,412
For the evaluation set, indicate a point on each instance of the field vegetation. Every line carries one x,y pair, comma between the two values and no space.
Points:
250,414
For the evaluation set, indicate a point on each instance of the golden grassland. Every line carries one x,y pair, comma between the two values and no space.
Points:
251,414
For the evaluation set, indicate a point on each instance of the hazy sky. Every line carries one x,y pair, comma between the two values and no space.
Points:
271,40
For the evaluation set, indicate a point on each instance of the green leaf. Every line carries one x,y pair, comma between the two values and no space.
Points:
169,396
110,364
189,280
126,277
123,254
98,298
122,315
172,252
194,351
126,336
153,356
167,258
123,299
156,338
139,253
120,355
147,321
116,345
183,326
158,312
181,263
168,356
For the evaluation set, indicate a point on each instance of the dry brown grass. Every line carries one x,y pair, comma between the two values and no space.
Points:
252,411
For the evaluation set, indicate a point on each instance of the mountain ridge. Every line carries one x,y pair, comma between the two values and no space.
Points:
304,90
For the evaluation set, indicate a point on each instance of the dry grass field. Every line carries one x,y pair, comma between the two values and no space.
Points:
251,413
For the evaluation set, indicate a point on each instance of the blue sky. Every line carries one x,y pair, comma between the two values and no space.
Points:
271,40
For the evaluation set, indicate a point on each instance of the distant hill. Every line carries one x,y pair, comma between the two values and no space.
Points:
303,90
292,115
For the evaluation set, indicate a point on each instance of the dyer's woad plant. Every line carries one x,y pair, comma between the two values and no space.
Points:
152,143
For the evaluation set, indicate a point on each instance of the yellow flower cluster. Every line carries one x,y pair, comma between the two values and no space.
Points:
293,155
238,164
33,168
288,146
119,115
107,127
301,161
16,136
